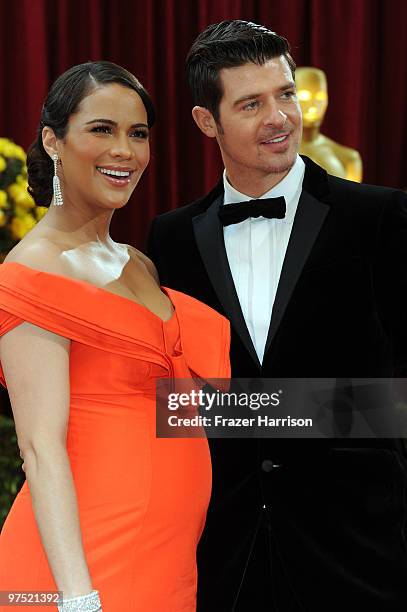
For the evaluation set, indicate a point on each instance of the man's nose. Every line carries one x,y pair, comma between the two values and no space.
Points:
274,116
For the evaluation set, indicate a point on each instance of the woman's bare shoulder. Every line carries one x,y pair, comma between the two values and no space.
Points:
41,254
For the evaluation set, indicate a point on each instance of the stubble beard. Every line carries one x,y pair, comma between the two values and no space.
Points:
283,162
259,169
281,166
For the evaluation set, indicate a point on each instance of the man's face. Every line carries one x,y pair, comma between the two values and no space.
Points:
259,128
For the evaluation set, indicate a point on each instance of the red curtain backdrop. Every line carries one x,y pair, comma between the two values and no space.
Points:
360,44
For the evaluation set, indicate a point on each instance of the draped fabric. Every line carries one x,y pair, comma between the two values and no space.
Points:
131,486
360,44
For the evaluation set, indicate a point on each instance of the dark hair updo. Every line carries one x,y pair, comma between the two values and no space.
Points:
63,99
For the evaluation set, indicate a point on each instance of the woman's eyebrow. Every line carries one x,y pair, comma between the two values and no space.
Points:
113,123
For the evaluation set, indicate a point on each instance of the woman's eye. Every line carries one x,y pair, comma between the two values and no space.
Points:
140,134
101,129
106,129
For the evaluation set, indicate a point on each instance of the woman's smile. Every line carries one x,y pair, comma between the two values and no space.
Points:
116,176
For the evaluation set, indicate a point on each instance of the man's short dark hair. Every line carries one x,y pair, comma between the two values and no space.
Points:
229,44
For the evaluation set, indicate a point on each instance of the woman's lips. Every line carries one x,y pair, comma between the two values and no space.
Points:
116,181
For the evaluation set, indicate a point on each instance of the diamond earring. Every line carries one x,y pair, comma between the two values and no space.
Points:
58,200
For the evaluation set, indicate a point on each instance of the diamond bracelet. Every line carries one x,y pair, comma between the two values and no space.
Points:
82,603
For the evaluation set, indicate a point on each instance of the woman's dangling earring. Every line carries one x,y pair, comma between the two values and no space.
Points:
58,200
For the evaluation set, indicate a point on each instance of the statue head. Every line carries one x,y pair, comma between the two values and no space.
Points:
312,91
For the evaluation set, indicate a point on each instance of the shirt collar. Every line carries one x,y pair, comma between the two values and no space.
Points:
289,187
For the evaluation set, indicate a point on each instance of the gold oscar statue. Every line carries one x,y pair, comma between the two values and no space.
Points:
313,98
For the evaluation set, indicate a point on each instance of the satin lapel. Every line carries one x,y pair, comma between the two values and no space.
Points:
308,221
211,245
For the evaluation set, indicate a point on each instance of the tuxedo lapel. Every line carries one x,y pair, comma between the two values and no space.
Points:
308,221
210,241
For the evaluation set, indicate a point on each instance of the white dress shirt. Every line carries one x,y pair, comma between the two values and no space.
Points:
256,249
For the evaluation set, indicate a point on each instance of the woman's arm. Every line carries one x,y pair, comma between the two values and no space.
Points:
36,367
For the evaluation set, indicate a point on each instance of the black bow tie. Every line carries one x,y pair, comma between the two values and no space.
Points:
271,208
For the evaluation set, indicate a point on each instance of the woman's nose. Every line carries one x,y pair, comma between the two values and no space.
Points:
121,147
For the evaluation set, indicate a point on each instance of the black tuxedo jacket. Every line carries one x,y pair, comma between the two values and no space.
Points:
335,510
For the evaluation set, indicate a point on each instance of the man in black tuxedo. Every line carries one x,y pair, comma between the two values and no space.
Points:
314,283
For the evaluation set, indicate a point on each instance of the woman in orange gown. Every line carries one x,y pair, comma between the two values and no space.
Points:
107,509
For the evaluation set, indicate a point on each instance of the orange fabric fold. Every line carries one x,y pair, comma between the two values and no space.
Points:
87,314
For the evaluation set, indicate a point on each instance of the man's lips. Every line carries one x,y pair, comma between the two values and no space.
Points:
278,138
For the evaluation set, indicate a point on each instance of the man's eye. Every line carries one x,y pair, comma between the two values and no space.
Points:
289,94
251,105
101,129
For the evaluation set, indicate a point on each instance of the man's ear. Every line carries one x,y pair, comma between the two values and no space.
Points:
205,121
49,141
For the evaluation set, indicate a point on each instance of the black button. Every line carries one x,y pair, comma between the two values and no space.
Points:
269,466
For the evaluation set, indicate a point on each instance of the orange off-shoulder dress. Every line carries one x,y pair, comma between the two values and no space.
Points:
142,499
